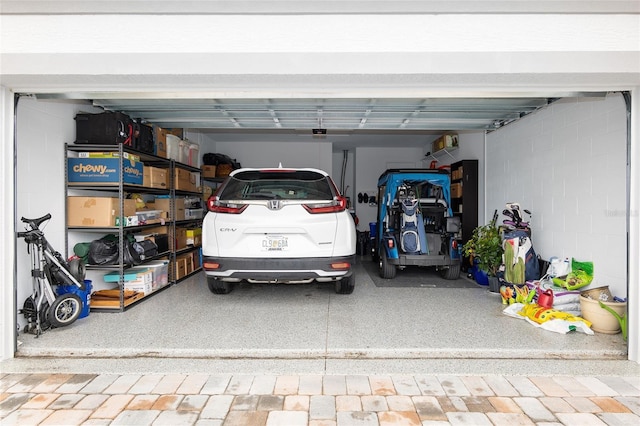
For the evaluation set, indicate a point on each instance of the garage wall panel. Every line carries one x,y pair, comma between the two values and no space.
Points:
567,164
370,164
43,128
7,194
270,154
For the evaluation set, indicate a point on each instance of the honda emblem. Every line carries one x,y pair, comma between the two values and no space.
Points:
274,205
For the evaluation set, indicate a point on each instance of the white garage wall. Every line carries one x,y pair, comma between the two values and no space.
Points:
370,163
43,128
7,253
567,164
271,154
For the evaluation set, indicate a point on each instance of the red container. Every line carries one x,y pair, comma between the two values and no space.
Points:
545,298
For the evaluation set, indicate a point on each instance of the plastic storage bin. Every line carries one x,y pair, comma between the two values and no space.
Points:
173,147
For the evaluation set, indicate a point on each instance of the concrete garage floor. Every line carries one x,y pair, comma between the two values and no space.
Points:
310,329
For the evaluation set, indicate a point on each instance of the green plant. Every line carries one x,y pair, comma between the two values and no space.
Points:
485,245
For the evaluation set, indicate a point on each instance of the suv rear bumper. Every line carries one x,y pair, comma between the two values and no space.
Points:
278,269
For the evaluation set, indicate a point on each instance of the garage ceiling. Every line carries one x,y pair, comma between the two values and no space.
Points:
353,115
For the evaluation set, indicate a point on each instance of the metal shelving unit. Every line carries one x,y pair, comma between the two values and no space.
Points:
121,189
183,223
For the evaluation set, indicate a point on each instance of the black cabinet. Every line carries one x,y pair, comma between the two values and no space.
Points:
464,195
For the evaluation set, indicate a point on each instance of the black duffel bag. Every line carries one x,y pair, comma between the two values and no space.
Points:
143,139
105,128
105,251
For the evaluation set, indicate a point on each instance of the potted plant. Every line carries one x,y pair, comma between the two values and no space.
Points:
485,247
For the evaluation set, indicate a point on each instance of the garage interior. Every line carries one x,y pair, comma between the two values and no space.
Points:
526,140
321,325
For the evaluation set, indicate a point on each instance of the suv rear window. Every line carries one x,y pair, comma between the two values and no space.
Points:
286,185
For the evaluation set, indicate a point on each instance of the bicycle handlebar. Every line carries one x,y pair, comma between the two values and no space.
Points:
35,223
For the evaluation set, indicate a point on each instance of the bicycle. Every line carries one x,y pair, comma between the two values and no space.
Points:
44,308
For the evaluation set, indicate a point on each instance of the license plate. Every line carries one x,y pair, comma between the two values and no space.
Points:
275,243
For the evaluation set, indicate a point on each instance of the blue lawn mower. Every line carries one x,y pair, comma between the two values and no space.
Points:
415,225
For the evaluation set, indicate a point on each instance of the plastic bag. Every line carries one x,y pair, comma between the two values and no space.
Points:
563,323
558,268
105,251
580,276
541,315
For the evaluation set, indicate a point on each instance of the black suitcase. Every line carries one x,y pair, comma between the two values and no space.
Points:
105,128
143,138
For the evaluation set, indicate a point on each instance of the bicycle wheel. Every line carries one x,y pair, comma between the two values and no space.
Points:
65,310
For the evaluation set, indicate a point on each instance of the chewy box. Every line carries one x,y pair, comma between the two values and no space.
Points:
104,170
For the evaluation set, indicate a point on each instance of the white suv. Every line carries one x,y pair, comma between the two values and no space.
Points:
278,226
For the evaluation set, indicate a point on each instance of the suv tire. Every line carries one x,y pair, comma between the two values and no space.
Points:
219,286
344,285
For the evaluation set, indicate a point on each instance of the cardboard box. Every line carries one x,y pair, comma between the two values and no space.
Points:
444,141
97,211
194,236
143,282
96,171
197,259
456,190
160,136
135,279
179,203
208,171
207,192
181,238
128,221
164,204
176,132
187,259
155,177
184,180
108,154
180,268
157,230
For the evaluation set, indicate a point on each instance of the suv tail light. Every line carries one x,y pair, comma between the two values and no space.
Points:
338,204
216,206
